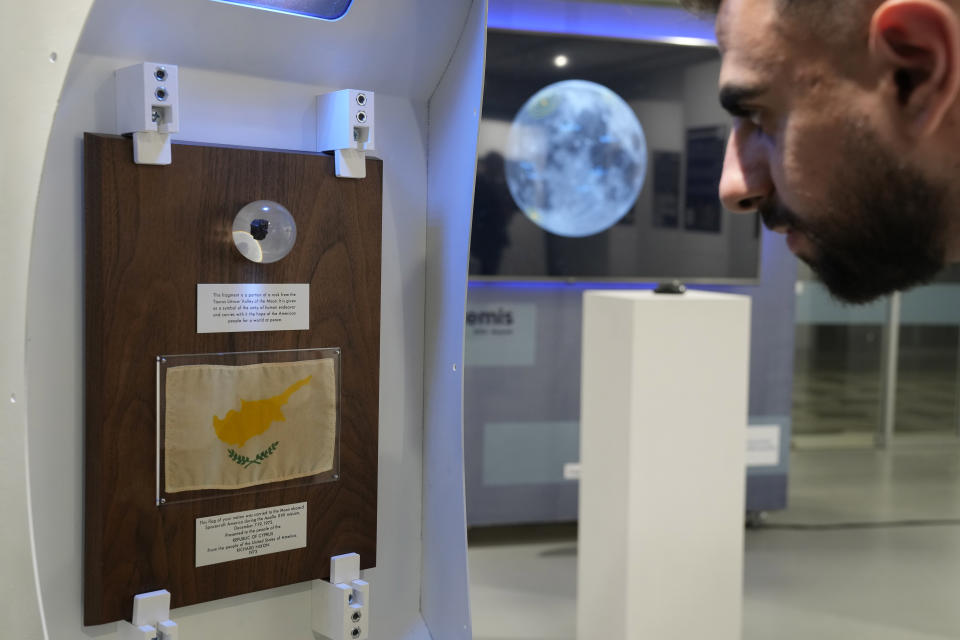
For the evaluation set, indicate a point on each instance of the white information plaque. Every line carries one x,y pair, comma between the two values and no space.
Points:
501,335
234,536
228,308
763,446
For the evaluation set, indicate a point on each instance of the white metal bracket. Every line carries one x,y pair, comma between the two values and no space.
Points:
350,163
345,125
341,607
151,618
148,107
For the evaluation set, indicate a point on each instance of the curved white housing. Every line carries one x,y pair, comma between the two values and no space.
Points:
245,78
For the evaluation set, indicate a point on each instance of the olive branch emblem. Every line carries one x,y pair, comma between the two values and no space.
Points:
245,462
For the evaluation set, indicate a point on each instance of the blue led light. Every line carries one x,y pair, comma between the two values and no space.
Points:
630,22
559,284
322,9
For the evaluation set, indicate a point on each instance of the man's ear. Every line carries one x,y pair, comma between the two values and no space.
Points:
916,45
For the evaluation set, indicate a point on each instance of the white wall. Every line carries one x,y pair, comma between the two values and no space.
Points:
36,42
493,136
247,78
702,109
454,119
664,129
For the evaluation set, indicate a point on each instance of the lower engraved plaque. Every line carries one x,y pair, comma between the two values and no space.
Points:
239,421
258,532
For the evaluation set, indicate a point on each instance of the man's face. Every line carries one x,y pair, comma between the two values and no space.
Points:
808,150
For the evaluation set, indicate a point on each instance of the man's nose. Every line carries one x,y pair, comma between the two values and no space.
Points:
746,181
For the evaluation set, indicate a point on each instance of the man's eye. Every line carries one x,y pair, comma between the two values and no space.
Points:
751,116
754,117
759,120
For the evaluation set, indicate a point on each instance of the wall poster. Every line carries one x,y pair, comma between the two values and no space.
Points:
706,147
666,189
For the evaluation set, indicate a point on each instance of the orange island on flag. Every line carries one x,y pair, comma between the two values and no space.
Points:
229,427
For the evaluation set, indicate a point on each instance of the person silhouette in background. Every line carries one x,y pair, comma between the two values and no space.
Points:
493,207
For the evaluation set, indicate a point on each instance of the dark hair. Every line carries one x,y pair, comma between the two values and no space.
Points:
840,25
712,6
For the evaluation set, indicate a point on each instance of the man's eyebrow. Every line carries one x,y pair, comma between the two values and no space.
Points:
732,98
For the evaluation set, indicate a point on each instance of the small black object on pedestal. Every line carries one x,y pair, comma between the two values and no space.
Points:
671,288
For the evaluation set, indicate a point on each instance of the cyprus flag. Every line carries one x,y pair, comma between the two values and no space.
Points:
233,427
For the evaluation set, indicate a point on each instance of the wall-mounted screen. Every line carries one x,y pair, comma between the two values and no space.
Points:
599,159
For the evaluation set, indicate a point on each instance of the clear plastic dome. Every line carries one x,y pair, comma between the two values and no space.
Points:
264,231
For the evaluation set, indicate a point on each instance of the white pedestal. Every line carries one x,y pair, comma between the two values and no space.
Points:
662,448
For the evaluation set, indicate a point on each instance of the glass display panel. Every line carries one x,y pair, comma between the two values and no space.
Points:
247,421
600,159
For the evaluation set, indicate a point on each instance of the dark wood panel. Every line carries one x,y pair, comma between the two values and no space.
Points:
151,234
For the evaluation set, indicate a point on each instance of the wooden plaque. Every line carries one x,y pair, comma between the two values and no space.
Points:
152,234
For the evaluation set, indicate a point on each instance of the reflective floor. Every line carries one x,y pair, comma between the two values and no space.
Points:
835,401
837,380
897,580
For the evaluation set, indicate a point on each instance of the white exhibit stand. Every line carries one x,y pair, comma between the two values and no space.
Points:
247,78
662,448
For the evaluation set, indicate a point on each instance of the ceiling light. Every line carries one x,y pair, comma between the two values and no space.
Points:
561,61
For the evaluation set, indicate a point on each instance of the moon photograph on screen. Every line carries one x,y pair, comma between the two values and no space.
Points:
576,158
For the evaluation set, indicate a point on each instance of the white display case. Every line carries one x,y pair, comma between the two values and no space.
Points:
247,78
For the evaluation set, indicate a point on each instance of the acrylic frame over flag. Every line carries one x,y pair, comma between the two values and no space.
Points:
260,430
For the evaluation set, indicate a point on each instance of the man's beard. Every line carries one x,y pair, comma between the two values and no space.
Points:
884,228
